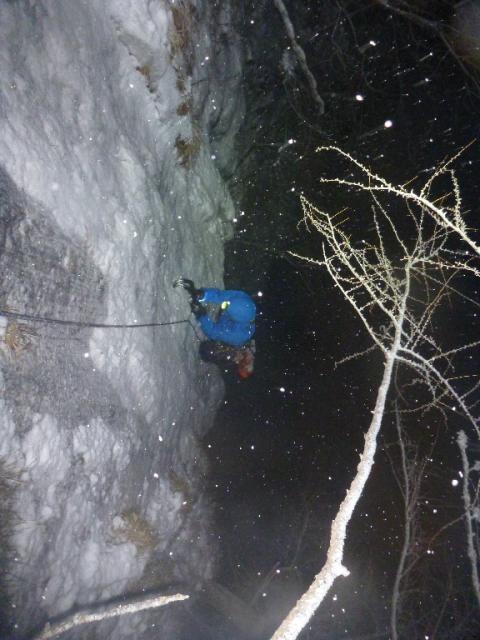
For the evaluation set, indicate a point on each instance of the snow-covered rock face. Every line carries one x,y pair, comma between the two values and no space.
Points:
115,117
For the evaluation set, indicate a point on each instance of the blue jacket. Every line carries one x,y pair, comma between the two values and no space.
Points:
236,323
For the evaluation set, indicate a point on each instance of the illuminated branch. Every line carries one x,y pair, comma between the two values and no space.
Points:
109,611
333,567
441,214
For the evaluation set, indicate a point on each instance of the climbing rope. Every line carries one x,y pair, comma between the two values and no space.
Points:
92,325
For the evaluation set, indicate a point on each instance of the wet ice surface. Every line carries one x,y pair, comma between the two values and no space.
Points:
109,189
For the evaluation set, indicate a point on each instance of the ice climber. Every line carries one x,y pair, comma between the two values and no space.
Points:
229,330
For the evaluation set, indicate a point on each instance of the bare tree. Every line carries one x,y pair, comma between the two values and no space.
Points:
396,281
409,480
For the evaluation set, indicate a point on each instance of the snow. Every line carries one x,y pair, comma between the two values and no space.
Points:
101,217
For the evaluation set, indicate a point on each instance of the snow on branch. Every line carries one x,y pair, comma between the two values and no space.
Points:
109,611
300,53
299,616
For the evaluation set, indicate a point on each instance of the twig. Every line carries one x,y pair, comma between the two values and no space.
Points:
376,183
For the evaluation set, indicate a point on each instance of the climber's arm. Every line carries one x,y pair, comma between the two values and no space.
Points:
215,296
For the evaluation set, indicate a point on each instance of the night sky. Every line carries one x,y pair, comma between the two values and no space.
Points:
286,442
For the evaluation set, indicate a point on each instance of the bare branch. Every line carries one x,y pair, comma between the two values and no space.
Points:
376,183
91,615
333,567
300,53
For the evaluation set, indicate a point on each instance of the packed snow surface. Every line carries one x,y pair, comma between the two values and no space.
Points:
115,118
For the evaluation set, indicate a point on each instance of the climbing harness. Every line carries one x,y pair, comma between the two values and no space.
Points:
92,325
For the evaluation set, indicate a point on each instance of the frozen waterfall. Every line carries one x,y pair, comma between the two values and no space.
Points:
116,120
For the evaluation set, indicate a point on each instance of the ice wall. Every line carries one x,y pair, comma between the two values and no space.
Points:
115,118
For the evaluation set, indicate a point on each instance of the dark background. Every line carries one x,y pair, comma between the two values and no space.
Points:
286,442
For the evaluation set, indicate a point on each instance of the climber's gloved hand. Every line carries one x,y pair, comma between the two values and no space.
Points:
186,284
189,286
